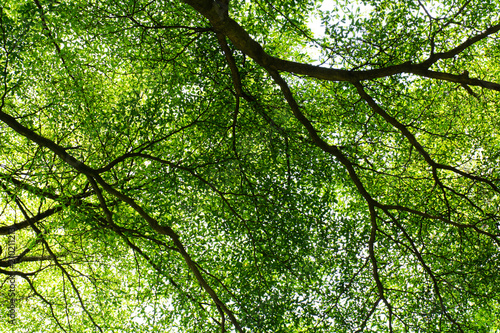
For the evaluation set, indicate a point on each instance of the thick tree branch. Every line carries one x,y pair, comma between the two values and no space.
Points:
240,37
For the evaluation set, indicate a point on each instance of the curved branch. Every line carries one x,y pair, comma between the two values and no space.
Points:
240,37
10,229
153,223
413,140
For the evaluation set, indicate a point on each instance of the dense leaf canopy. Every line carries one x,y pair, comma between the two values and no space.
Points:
205,166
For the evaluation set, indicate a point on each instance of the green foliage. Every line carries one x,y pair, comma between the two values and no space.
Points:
170,168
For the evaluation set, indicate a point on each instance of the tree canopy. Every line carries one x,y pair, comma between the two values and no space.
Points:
216,166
